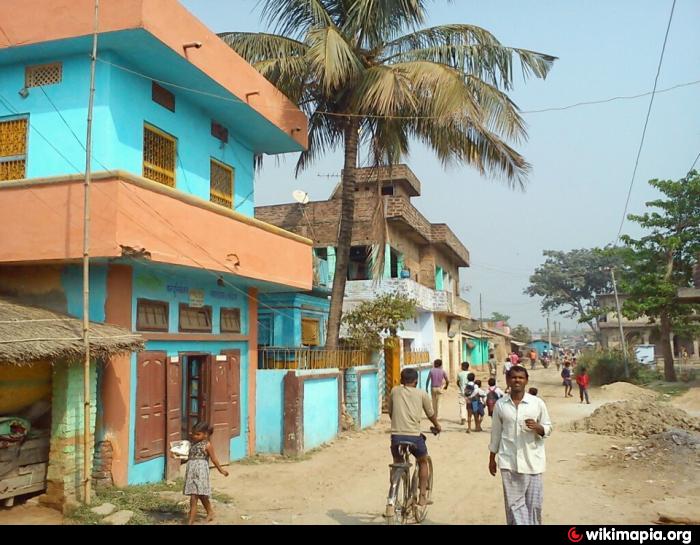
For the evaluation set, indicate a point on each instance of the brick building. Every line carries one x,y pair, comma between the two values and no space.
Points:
421,258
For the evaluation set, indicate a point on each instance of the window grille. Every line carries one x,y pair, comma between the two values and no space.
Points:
221,184
13,148
159,155
43,74
310,332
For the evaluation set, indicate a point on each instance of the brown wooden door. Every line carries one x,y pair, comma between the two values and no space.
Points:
234,358
174,413
150,405
218,407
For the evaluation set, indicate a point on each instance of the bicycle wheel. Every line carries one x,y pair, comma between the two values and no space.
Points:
421,511
400,494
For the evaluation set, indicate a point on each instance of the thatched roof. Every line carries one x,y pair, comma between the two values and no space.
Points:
29,334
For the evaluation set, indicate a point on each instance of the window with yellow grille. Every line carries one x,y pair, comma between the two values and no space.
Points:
310,332
221,184
13,148
159,156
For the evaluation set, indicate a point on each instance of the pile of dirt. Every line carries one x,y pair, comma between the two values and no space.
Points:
662,448
625,390
636,418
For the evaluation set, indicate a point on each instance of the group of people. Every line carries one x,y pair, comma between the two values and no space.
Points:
581,376
520,423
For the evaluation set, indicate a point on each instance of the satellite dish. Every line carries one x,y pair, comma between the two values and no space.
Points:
302,197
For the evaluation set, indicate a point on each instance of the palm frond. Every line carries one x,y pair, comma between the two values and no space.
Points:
469,49
332,59
296,17
325,134
501,113
258,46
374,22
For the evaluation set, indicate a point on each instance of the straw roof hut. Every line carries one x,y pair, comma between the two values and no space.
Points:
28,334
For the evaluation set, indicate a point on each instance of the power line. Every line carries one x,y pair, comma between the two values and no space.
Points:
236,100
692,167
646,122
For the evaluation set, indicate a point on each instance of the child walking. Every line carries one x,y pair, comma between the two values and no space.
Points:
582,379
566,379
197,485
493,394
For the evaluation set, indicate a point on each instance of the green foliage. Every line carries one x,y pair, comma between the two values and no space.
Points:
498,317
371,320
521,333
608,367
662,261
570,283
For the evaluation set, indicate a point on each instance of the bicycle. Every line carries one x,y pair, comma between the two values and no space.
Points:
405,490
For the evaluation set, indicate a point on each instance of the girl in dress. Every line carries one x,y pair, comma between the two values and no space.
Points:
197,472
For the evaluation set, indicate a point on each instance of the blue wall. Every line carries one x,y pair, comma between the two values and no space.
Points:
321,406
269,410
122,105
540,346
286,311
72,283
170,284
369,399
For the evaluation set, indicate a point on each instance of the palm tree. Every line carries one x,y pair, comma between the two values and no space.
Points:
361,79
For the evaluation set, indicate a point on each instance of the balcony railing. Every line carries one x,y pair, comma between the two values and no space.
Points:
416,357
311,358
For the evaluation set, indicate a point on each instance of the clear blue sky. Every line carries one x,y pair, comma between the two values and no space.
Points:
582,158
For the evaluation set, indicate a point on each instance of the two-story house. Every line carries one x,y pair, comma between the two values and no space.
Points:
176,253
422,259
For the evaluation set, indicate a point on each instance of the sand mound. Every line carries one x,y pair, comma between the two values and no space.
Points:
625,390
636,418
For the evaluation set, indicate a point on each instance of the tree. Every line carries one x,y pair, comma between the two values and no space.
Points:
570,283
498,317
662,261
369,322
361,80
521,333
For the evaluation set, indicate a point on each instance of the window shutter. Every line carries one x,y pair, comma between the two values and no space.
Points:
310,332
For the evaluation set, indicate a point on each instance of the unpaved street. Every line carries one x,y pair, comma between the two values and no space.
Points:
346,482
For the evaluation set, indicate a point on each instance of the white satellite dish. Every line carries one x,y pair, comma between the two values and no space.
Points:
302,197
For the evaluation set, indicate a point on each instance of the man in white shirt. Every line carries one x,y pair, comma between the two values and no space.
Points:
520,425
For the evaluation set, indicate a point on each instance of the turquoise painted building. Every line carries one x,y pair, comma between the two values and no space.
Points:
176,254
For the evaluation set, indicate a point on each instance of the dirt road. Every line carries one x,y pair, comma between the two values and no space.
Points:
346,482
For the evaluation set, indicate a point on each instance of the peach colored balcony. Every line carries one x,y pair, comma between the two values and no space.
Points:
42,221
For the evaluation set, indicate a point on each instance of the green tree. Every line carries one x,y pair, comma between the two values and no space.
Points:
369,322
521,333
498,317
366,73
662,261
570,283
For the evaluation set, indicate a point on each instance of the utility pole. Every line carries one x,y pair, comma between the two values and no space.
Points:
481,324
86,265
549,335
619,322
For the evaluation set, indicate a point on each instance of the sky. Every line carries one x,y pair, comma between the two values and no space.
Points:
582,158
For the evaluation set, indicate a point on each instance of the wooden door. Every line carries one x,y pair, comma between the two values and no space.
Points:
174,413
150,405
234,358
218,405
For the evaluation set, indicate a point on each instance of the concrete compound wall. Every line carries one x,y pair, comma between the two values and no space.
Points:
269,411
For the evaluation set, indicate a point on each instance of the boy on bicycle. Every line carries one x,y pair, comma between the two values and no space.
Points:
406,407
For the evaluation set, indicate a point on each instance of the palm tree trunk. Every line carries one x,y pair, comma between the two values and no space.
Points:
666,350
347,214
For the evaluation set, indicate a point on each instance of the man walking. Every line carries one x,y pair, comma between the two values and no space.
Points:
520,425
493,365
437,377
461,398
